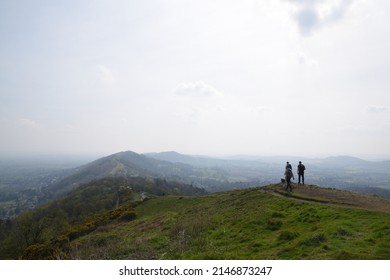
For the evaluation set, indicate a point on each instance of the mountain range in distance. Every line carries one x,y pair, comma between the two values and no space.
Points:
219,174
24,185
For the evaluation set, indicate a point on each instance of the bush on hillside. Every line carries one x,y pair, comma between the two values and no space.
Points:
274,224
287,235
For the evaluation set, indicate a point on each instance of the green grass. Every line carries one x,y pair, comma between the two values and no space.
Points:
243,224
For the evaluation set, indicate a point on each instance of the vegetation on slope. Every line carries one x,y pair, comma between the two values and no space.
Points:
251,224
258,223
47,232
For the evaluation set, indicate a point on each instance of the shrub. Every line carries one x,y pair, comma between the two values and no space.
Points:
128,215
56,249
341,233
287,235
81,229
277,215
36,252
123,213
315,240
274,224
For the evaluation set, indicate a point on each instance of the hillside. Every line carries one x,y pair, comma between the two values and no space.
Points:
80,212
123,164
130,164
257,223
331,196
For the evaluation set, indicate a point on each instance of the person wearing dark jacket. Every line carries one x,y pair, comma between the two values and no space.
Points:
301,173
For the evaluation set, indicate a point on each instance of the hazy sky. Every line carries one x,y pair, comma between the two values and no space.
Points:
212,77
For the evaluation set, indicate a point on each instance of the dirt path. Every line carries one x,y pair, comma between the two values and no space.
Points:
330,196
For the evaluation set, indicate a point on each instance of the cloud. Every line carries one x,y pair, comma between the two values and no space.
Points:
337,12
376,109
260,110
189,114
196,89
29,124
196,102
307,20
105,75
311,15
305,60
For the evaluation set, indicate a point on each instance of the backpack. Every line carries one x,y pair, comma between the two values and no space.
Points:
289,173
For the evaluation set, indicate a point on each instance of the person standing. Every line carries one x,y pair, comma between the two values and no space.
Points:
288,175
301,173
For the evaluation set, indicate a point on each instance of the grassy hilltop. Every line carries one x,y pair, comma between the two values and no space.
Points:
253,224
258,223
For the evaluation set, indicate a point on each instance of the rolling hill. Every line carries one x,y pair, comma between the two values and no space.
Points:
255,223
342,172
123,164
204,173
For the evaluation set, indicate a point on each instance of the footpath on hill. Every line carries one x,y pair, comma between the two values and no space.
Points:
330,196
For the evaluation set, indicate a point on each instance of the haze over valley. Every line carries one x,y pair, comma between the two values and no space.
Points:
27,184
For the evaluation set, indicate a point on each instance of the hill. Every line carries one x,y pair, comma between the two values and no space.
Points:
331,196
342,172
256,223
204,173
123,164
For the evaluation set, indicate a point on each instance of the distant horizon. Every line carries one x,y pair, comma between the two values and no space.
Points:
87,157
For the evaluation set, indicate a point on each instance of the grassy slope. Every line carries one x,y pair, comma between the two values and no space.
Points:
243,224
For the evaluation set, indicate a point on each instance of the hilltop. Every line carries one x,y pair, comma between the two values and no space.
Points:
208,173
256,223
131,164
331,196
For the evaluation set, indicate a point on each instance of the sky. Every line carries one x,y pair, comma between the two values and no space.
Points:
206,77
